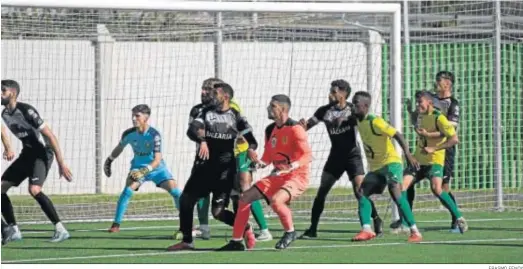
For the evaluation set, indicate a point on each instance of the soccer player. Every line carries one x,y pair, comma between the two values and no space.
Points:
430,151
244,170
344,155
39,146
8,156
146,165
287,149
385,166
214,170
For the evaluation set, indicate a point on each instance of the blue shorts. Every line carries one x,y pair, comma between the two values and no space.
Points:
157,176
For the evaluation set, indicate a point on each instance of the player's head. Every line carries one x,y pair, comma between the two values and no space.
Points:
361,101
10,91
339,91
223,93
279,107
208,88
444,81
141,115
424,102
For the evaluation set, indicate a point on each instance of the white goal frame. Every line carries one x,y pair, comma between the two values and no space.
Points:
391,9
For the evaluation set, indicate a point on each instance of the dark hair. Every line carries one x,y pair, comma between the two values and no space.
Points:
363,94
445,75
9,83
226,88
210,82
142,108
282,98
342,84
425,94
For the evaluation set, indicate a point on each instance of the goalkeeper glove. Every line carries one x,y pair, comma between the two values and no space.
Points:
107,166
278,172
138,174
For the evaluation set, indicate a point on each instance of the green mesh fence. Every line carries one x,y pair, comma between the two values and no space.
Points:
473,65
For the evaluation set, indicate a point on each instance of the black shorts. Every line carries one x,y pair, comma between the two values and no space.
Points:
336,165
217,178
448,169
32,164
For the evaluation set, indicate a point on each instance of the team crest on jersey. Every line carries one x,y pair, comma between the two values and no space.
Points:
273,141
147,145
284,140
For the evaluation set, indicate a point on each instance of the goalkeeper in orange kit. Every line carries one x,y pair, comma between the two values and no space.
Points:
287,149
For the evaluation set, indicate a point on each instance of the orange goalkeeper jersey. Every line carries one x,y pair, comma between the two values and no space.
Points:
287,144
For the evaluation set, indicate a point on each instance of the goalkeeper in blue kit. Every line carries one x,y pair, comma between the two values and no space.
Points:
147,164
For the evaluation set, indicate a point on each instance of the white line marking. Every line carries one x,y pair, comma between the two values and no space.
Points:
223,225
261,249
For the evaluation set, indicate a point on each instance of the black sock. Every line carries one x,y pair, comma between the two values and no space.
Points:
454,200
187,204
411,193
4,226
48,207
7,210
224,215
374,213
317,209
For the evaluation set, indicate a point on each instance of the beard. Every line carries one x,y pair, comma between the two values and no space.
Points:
270,115
332,101
206,99
5,101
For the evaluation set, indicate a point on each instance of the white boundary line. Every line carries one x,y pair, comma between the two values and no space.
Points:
297,223
260,249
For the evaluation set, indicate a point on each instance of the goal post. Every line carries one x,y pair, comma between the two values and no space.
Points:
94,65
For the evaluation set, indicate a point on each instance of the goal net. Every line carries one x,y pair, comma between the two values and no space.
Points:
84,69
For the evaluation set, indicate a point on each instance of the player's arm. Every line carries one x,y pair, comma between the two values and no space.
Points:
192,116
157,150
302,151
196,130
8,151
383,127
267,151
124,140
246,131
33,117
314,120
448,130
453,113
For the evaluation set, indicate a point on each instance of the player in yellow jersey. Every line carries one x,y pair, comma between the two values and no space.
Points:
430,152
244,169
385,166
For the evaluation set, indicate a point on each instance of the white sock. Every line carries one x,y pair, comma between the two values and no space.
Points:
366,227
16,229
264,230
290,230
414,229
204,227
237,239
59,227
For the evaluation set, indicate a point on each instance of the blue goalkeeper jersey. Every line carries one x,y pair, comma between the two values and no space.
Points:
144,146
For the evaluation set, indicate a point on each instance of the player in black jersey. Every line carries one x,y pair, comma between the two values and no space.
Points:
345,155
215,129
8,156
203,231
449,106
39,144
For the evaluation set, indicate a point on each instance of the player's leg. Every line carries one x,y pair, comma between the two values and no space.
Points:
356,173
12,177
195,188
394,175
36,181
164,179
123,203
203,206
221,193
373,183
411,177
435,176
448,175
4,232
332,171
256,206
241,228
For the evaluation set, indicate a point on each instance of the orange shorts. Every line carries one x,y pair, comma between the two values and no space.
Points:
294,184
